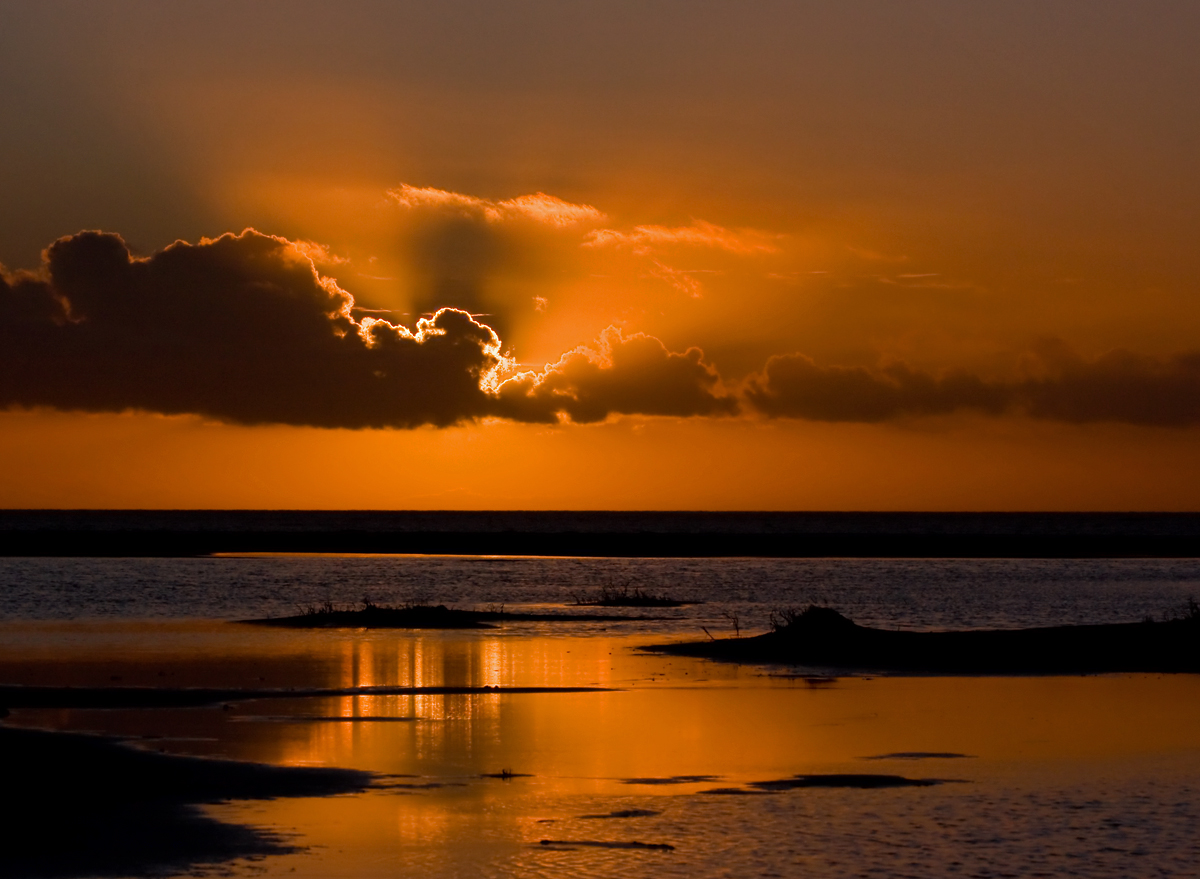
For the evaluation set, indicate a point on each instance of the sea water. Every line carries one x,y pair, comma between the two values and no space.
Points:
904,593
1088,776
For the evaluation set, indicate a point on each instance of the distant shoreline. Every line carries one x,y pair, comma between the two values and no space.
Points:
171,544
179,533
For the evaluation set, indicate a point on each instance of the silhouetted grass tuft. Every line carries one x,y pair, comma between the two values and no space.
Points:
626,595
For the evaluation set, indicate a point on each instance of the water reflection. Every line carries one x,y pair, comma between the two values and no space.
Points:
455,734
1036,746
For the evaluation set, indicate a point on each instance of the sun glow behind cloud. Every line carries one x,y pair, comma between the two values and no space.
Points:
867,227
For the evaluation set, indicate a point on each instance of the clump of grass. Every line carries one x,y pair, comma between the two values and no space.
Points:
626,595
1189,612
782,617
790,619
325,608
506,774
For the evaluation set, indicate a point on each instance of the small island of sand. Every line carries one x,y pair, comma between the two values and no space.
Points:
822,637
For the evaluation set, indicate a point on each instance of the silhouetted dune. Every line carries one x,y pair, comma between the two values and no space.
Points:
822,637
82,805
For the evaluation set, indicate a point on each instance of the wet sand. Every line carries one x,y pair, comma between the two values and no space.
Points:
92,805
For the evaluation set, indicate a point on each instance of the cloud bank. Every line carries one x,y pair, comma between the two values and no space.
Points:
242,328
1059,385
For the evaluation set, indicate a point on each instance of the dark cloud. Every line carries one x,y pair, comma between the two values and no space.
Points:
1058,385
794,386
241,328
244,329
625,375
1118,386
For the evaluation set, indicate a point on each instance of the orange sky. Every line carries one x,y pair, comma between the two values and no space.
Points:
797,256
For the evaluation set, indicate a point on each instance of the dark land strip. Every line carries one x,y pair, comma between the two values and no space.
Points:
319,718
855,781
423,616
195,697
670,779
821,637
84,805
632,845
601,534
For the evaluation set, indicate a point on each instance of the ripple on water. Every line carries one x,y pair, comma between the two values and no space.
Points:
1094,830
920,593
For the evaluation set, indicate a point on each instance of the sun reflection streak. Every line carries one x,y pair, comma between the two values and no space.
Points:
492,667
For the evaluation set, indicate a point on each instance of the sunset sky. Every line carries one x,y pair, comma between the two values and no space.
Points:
645,255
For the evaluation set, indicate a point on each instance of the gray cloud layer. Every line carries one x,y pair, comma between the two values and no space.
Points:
1118,387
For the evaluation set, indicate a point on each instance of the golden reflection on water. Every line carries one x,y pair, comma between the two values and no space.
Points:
688,716
660,717
581,750
669,716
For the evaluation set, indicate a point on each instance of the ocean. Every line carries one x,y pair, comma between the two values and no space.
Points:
905,593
